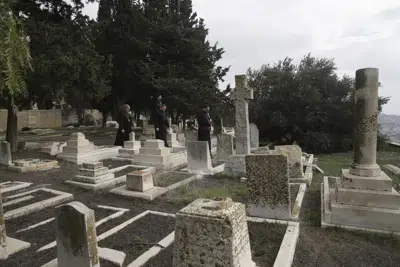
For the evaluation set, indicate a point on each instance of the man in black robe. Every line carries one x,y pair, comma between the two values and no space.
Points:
125,126
205,123
161,124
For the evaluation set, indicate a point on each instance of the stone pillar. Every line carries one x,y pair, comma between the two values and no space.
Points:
212,233
3,236
76,236
241,95
365,123
224,146
5,153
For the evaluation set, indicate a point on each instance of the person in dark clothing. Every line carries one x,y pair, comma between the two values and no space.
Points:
125,126
161,124
205,124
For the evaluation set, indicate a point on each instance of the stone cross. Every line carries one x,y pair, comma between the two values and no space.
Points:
366,123
76,236
241,94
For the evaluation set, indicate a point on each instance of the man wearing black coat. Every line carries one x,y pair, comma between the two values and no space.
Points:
125,126
161,124
205,123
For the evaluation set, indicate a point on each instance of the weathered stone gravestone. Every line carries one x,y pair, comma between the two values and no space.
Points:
172,140
254,136
212,233
294,154
30,165
364,197
268,186
241,95
141,180
76,236
5,153
235,165
224,146
198,156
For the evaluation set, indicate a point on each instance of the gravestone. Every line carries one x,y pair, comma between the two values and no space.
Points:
294,154
76,236
141,180
154,153
54,148
130,148
364,196
268,186
224,146
212,233
172,140
241,95
198,156
254,136
5,153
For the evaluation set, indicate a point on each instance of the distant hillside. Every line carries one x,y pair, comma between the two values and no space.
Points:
390,125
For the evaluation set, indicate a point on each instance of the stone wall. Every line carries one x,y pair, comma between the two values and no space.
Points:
34,119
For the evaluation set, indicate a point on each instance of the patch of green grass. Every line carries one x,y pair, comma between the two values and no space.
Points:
190,192
169,178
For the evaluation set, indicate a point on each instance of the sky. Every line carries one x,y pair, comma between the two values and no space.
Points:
356,33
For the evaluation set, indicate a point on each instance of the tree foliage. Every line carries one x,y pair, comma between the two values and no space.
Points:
306,103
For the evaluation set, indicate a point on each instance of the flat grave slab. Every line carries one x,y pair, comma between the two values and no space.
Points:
33,200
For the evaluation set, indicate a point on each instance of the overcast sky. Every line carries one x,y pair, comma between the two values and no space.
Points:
357,33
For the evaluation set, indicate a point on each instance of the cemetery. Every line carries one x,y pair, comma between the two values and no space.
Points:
71,202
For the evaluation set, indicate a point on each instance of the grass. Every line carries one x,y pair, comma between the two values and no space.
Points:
210,188
169,178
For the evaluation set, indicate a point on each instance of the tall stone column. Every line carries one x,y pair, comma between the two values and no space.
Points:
365,123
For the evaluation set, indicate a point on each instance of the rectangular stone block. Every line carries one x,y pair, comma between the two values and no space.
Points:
171,139
94,180
5,153
79,149
93,173
366,217
77,136
268,186
155,151
379,183
224,146
76,236
154,143
254,136
212,233
139,181
294,154
191,136
93,165
132,144
369,198
198,153
75,143
155,159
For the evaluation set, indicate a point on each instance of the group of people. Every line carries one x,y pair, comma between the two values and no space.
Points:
161,125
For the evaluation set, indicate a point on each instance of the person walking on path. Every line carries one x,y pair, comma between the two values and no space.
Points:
161,124
205,125
125,126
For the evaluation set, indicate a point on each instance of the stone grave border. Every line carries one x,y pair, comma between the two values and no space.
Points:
43,165
110,183
98,153
155,192
284,257
103,252
19,185
326,211
214,170
61,197
295,212
308,174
